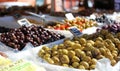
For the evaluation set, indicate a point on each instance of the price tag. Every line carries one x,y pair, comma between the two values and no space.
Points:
24,22
74,30
69,16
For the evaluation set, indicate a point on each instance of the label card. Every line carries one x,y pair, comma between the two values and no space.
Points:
69,16
24,22
74,30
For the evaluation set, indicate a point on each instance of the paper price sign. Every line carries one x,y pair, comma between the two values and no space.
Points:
23,22
75,31
69,16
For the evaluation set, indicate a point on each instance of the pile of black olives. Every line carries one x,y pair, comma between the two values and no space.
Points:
37,35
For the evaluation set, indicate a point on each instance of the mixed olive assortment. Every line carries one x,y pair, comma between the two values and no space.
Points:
115,27
83,52
37,35
80,23
104,19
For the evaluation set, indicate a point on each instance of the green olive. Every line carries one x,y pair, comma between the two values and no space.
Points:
85,64
114,55
102,50
82,41
65,51
88,53
91,42
114,51
54,53
80,53
76,42
65,65
45,48
81,67
41,53
54,48
71,53
75,59
49,60
113,62
65,59
109,55
60,52
47,55
71,66
60,46
55,59
77,46
87,59
92,66
93,61
75,64
69,43
100,57
99,38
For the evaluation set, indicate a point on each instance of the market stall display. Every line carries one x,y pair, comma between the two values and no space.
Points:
94,44
37,35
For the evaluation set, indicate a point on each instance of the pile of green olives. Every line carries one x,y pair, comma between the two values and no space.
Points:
83,52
